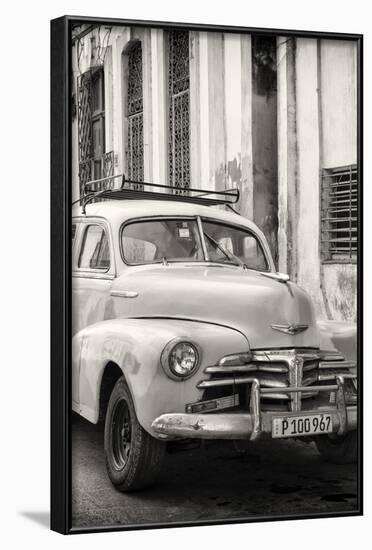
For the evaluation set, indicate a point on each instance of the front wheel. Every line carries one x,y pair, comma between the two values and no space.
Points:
339,449
133,457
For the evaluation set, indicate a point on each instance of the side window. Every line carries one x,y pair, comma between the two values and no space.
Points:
73,232
95,252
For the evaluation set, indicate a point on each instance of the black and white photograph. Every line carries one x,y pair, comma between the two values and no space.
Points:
213,348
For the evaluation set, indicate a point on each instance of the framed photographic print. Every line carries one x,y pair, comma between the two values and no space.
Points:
206,274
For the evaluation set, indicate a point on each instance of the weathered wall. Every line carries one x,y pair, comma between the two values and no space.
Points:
339,147
308,166
339,102
316,129
246,184
287,156
230,115
233,108
217,115
264,138
240,85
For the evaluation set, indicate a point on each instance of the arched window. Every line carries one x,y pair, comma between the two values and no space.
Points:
135,113
179,109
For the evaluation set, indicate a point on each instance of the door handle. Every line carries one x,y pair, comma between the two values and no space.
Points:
124,293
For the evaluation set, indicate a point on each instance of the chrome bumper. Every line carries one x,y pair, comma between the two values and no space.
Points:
252,424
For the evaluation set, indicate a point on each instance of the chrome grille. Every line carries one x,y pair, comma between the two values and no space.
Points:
278,369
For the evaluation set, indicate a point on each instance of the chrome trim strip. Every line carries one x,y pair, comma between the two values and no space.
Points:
331,356
295,365
92,275
337,364
333,376
238,368
236,359
283,355
250,367
299,389
272,383
255,409
124,293
272,368
224,382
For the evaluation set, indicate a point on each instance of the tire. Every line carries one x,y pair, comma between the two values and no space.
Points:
133,457
339,449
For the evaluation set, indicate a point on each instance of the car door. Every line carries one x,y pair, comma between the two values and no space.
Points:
93,272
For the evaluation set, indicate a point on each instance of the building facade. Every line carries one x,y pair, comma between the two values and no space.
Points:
274,116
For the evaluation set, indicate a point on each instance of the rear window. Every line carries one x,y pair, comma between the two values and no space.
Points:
95,252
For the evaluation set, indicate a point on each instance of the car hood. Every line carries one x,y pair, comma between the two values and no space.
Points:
227,295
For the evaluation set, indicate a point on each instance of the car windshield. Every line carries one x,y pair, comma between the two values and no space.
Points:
177,240
228,243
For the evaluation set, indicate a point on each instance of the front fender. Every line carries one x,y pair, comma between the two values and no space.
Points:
339,335
135,345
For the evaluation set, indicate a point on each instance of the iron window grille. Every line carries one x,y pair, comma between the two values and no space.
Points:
94,162
135,154
339,211
179,109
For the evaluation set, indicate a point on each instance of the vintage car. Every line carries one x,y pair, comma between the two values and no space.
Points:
183,331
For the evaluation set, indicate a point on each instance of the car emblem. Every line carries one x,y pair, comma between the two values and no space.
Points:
290,329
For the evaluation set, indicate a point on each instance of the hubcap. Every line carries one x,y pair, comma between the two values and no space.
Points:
121,434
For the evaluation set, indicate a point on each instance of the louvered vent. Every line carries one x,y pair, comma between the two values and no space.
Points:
339,211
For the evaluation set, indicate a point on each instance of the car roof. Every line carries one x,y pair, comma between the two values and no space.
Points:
119,211
116,212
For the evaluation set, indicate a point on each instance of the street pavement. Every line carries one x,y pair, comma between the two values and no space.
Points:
218,482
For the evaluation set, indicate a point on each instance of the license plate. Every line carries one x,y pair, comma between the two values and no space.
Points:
294,426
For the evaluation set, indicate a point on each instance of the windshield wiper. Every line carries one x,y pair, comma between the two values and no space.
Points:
230,256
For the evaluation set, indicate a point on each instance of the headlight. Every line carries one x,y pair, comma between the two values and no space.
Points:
180,359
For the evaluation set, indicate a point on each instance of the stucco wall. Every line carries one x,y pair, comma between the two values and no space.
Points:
339,147
308,166
339,103
317,129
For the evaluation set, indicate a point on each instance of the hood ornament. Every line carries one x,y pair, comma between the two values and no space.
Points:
290,329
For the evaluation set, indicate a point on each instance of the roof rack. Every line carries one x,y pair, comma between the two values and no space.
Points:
132,189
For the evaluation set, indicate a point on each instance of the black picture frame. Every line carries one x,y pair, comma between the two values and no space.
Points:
61,266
